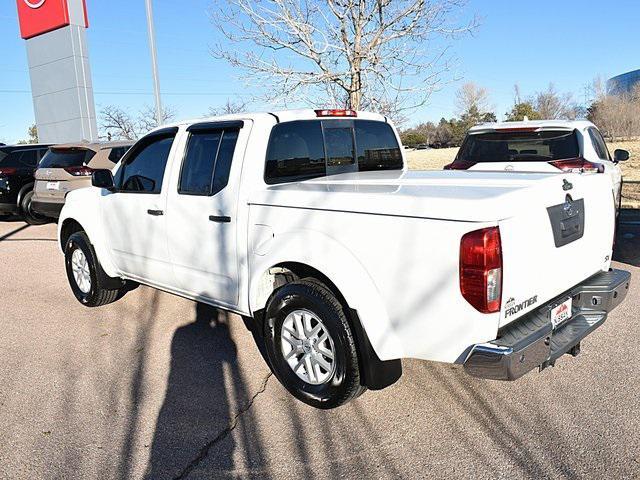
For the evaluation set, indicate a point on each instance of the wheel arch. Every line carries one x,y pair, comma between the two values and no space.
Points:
376,373
23,191
67,228
82,217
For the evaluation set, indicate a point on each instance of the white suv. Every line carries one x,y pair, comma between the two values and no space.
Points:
540,146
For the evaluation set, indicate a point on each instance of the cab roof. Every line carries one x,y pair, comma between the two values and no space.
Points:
276,115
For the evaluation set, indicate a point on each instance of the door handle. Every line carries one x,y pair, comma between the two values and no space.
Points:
220,218
155,213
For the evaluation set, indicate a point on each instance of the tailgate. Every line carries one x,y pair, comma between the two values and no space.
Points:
562,236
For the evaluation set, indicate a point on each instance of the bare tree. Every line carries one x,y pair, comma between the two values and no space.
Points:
470,96
618,116
348,53
230,107
117,124
516,94
553,105
147,119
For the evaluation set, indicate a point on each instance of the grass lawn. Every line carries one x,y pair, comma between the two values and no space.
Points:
435,159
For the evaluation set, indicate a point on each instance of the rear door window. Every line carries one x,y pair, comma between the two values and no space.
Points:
143,170
62,158
304,149
207,163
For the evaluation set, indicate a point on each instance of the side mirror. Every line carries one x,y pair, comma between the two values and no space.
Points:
103,179
620,155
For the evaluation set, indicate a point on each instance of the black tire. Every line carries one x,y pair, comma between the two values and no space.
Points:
344,383
97,294
4,217
31,217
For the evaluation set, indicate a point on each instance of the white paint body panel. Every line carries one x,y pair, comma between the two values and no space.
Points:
389,241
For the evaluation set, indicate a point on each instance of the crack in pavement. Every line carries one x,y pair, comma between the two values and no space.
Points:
204,451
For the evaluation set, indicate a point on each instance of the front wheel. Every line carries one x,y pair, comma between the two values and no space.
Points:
85,275
31,217
310,345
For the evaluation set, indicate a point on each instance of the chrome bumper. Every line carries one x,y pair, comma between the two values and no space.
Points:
531,341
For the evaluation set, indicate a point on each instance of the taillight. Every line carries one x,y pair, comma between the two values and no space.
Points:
79,171
336,113
459,165
481,269
7,170
578,165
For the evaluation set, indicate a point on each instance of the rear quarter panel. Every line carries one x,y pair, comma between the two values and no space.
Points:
399,273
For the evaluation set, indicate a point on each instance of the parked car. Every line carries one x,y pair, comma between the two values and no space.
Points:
17,165
68,167
540,146
308,224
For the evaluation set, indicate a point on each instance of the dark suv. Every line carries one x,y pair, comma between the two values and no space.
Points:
17,166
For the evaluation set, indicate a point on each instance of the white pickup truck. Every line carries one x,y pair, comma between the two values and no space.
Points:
309,224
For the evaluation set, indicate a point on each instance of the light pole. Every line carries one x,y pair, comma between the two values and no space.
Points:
154,62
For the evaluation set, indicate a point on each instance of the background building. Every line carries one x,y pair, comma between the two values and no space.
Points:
623,83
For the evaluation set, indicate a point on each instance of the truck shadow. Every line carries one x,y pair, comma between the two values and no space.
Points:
627,247
205,389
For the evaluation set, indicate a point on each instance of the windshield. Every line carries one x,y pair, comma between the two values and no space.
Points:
519,146
56,158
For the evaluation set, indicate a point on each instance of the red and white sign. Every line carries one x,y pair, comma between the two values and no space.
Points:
42,16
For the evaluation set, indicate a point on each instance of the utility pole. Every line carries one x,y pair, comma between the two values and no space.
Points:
154,62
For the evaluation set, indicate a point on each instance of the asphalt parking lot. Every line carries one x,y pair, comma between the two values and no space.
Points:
155,386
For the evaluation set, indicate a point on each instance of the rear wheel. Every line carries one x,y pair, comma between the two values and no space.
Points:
310,345
31,217
85,275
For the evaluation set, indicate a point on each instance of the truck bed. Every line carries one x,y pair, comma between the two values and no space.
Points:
468,196
405,229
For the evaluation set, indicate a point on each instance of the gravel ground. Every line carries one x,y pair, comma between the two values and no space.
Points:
155,386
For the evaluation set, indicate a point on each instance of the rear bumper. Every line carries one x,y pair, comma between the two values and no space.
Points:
46,208
532,342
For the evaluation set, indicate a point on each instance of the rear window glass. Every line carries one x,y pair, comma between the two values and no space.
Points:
19,158
296,152
377,147
519,146
66,158
307,149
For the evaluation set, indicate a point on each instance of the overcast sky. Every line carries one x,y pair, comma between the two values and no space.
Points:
567,42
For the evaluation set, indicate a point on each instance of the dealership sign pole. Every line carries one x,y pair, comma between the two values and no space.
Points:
58,58
154,62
